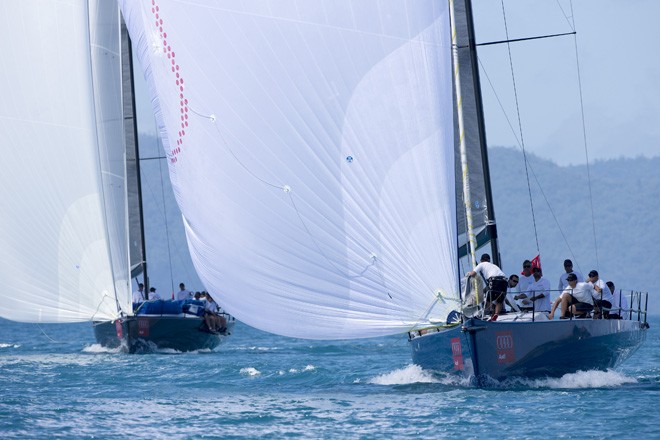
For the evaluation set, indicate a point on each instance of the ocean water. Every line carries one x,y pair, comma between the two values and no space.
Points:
56,382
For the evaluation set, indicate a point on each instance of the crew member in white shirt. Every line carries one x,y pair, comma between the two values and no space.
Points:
496,283
153,295
603,297
619,303
214,322
139,295
526,277
579,296
537,296
511,291
183,293
563,281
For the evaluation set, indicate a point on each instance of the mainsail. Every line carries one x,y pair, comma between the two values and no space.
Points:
311,151
63,233
474,139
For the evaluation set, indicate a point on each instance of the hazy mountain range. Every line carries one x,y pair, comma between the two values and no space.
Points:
624,194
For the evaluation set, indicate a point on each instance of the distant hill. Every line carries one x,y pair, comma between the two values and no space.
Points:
625,194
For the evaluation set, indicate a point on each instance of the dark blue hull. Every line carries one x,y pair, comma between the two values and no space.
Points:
528,349
142,333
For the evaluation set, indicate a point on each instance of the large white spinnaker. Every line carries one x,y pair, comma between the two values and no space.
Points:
311,151
55,242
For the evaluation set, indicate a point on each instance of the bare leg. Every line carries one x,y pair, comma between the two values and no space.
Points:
564,305
209,321
554,307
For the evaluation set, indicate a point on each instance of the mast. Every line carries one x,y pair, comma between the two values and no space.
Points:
491,226
136,245
461,128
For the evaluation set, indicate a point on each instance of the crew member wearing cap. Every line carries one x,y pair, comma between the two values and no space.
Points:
496,283
603,297
537,296
568,267
579,296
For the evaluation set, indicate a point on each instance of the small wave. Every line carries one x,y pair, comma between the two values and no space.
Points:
403,376
173,351
98,348
250,371
581,379
9,345
255,348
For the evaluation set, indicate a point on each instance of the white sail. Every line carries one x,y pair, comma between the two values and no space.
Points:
62,222
310,148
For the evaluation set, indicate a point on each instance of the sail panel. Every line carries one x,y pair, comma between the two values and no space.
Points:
106,57
310,148
54,263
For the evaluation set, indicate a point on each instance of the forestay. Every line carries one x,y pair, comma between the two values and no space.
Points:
62,236
311,150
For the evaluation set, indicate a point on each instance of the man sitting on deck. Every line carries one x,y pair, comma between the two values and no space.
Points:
214,322
619,304
603,297
579,296
537,296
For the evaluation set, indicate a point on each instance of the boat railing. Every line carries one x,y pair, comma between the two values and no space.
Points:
634,310
172,307
533,308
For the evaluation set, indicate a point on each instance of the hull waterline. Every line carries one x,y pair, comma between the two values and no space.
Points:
499,350
150,333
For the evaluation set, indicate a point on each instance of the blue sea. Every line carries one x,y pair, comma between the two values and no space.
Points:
56,382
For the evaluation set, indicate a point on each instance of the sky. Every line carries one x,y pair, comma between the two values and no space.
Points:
619,71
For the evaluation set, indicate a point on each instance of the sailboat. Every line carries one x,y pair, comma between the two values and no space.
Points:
72,234
330,163
331,166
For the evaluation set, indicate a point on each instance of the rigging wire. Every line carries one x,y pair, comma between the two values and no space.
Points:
570,20
571,24
531,168
584,137
522,141
47,336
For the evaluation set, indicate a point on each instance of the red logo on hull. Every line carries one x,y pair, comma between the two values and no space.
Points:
143,327
457,353
120,332
505,347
